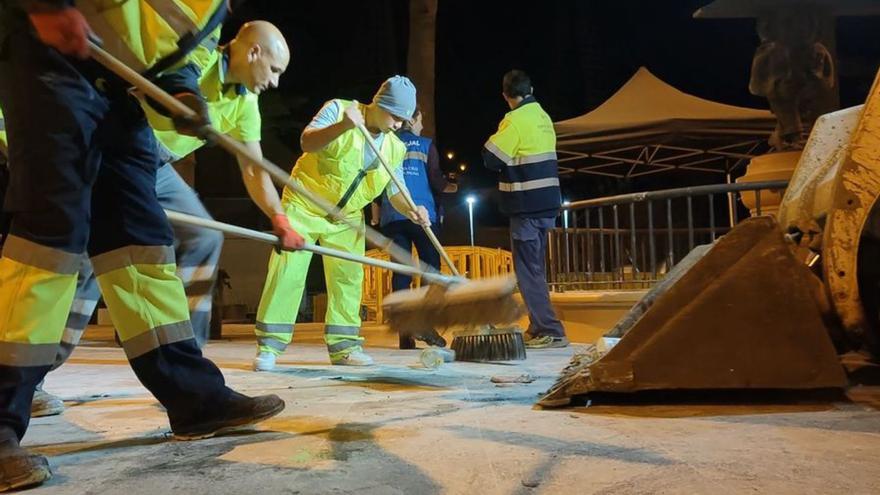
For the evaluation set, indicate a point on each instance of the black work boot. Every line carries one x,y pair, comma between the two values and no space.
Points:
18,467
238,412
407,342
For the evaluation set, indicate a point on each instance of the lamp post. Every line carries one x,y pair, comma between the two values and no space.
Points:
470,202
565,214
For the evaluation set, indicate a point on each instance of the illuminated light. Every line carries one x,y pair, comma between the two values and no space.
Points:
471,199
565,214
450,154
463,167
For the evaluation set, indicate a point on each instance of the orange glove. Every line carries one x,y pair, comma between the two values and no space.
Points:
289,239
65,30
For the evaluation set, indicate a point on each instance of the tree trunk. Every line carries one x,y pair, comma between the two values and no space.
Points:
420,57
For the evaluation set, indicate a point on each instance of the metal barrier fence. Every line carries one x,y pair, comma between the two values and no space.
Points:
630,241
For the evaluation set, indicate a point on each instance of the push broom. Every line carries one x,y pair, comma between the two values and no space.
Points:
441,309
450,302
474,343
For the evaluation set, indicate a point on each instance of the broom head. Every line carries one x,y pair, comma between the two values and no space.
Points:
470,304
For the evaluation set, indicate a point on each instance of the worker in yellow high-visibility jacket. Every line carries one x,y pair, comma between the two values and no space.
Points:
339,166
250,63
523,152
82,178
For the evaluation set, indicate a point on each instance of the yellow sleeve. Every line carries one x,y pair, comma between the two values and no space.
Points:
504,144
248,122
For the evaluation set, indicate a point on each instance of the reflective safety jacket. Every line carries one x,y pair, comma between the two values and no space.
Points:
523,151
233,111
338,174
415,173
153,36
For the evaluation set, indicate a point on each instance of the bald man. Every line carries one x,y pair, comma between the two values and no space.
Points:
230,85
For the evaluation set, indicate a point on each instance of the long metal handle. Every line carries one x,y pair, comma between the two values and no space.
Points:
409,201
179,218
238,149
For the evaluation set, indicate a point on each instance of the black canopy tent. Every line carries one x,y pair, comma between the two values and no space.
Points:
649,127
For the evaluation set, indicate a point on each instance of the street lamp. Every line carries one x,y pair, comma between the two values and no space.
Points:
565,214
470,202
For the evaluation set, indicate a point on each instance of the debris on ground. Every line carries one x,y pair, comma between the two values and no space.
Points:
524,378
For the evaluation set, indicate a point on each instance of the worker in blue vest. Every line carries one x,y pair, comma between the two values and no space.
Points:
424,179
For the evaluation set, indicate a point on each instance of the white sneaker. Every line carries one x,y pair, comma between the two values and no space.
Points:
354,358
265,361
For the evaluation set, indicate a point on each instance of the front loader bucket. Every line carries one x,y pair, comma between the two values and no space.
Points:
740,314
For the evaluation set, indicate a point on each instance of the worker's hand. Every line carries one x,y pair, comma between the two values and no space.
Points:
65,30
288,239
421,216
192,126
351,116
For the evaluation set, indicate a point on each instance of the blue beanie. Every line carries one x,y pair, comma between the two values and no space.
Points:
397,96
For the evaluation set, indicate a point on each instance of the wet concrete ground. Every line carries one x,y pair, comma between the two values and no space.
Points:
397,428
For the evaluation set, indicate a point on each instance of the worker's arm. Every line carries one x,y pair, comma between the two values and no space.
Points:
263,193
183,84
499,150
324,128
399,203
438,183
258,182
375,213
248,130
420,216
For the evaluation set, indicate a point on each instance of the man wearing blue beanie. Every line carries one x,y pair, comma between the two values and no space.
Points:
340,167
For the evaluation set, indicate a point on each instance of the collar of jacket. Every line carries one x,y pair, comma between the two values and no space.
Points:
526,101
240,89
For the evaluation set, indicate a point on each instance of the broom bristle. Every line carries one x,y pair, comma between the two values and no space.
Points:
489,344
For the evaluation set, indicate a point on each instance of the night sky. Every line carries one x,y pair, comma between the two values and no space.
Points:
577,52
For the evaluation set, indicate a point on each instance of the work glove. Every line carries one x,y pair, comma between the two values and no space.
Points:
192,126
288,239
65,30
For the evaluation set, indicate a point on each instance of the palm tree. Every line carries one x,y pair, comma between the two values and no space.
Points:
420,57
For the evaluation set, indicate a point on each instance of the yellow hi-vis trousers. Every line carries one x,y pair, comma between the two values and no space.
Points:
283,290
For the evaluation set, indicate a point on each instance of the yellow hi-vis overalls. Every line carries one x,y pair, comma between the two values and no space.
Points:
332,173
82,177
